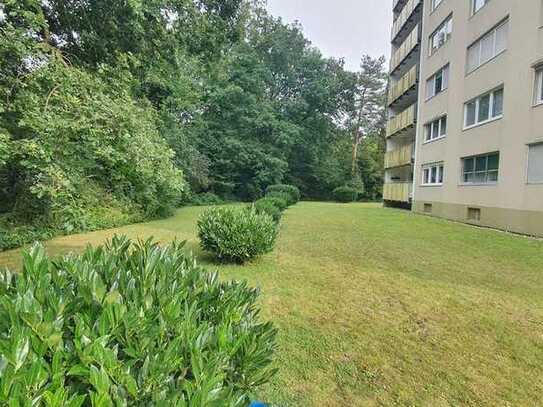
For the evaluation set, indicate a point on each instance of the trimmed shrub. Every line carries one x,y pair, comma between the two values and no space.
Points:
291,190
236,234
269,207
281,195
345,194
129,324
280,203
206,199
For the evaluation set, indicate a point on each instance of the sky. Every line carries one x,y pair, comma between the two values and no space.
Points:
341,28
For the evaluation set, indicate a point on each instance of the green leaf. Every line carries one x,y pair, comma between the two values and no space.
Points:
21,352
100,380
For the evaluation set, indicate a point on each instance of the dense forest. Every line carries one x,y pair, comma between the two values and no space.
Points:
115,111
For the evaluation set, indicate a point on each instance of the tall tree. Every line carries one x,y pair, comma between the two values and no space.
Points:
364,116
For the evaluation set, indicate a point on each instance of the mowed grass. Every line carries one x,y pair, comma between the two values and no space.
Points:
381,307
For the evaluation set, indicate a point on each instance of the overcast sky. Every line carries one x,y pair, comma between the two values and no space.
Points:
341,28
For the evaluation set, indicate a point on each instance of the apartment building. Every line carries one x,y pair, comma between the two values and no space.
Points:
465,130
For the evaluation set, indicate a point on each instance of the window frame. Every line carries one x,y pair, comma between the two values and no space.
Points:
445,77
445,23
479,43
463,172
428,129
528,161
491,108
427,174
473,9
538,85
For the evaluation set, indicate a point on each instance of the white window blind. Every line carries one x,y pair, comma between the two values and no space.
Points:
535,164
488,46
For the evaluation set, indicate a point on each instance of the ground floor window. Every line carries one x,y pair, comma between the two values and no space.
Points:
535,164
433,174
481,169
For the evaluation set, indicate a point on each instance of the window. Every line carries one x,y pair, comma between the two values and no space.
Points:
441,35
474,214
435,4
477,5
538,94
428,208
535,164
438,82
482,169
489,46
436,129
433,174
484,109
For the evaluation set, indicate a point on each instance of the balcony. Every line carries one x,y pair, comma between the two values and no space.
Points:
400,157
408,46
402,121
397,4
406,83
405,16
398,192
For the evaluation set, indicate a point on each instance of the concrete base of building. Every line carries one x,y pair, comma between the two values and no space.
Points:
397,205
510,220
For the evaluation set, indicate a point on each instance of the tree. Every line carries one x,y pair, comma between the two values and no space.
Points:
365,116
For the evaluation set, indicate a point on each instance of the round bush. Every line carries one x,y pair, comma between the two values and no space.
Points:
236,234
281,195
345,194
279,203
129,324
291,190
268,206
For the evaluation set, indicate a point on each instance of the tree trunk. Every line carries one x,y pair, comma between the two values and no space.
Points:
354,157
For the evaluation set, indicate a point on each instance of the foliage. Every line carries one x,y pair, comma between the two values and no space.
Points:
269,207
346,194
206,199
236,234
14,235
284,196
365,113
73,150
291,190
120,107
280,203
126,324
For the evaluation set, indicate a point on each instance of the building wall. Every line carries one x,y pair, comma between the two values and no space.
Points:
511,203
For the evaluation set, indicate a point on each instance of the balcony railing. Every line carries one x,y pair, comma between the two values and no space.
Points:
402,121
395,4
404,16
400,157
405,49
399,191
407,81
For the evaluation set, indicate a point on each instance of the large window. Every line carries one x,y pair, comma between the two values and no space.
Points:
432,174
477,5
436,129
535,164
482,169
441,35
437,82
484,109
487,47
538,94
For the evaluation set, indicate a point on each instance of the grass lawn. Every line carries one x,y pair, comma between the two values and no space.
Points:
383,307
